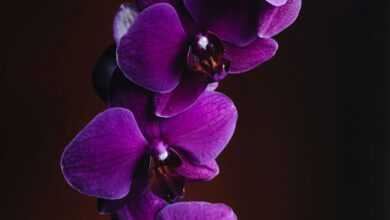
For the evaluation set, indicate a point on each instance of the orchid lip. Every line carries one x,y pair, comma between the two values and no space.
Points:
205,55
163,179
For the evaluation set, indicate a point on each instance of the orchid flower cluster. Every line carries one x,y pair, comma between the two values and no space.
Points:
165,124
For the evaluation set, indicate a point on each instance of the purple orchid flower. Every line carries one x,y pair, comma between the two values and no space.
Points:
107,158
177,52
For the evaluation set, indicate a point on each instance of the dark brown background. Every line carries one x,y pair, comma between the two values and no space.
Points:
310,138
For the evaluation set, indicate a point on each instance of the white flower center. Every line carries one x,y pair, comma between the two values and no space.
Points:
163,155
203,42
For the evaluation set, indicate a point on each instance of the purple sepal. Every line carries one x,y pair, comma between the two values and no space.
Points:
196,211
100,160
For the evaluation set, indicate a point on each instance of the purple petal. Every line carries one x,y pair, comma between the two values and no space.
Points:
143,205
101,159
246,58
233,21
124,18
142,4
190,88
196,211
186,19
274,19
204,130
202,172
148,53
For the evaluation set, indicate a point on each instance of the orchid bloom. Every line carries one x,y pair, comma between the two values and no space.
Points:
176,49
165,125
110,153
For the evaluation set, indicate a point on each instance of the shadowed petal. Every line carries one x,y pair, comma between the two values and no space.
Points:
204,130
101,159
202,172
127,95
246,58
148,53
124,18
146,3
273,19
181,98
138,100
142,205
196,211
108,207
233,21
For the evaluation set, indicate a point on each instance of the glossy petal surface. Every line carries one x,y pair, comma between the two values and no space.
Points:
196,211
212,86
101,159
246,58
148,53
277,2
181,98
204,130
274,19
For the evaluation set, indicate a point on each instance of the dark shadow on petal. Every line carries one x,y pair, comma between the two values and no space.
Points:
183,97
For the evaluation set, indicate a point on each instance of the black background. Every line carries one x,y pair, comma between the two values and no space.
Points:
311,138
